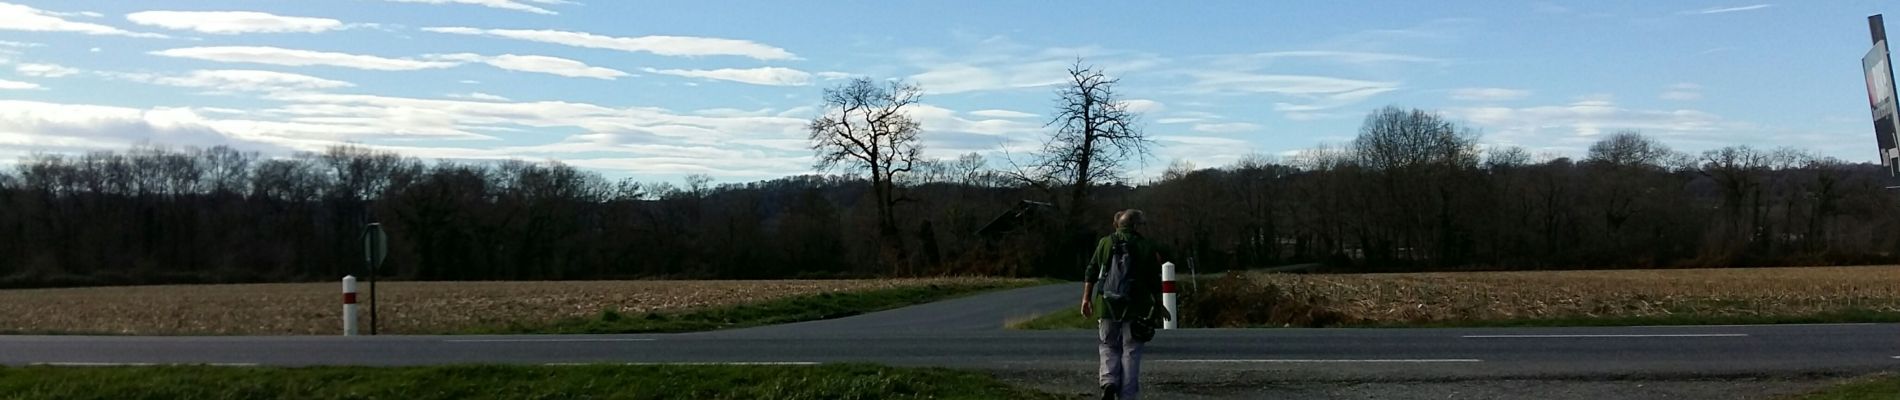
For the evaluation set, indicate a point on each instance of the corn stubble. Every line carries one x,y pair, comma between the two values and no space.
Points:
1415,298
406,307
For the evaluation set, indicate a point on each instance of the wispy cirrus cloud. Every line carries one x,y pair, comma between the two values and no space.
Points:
537,64
1724,10
1572,127
1226,127
994,113
44,70
661,45
512,5
999,63
16,17
1682,92
18,85
1308,95
237,80
232,22
1488,94
1345,57
769,76
478,96
299,58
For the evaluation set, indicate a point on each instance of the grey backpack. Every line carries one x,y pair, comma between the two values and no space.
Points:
1117,279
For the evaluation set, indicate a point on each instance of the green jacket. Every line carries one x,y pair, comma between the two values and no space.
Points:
1145,295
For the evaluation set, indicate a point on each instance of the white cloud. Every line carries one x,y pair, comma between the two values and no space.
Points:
771,76
1488,94
233,80
1301,85
41,125
1347,57
753,144
959,78
1205,151
998,63
513,5
44,70
1228,127
478,96
661,45
1314,93
1143,106
1720,10
1682,92
538,64
18,85
17,17
1002,114
298,58
953,133
232,22
13,44
1574,126
834,75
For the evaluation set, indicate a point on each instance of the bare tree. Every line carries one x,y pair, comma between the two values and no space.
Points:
1629,148
866,128
1095,134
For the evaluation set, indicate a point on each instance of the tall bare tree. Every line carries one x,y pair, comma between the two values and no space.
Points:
1095,135
866,128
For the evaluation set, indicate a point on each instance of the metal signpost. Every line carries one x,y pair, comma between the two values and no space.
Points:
1880,96
375,248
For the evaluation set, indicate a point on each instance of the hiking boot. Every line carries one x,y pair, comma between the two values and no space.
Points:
1110,392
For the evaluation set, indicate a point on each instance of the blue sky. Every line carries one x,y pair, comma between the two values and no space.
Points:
658,90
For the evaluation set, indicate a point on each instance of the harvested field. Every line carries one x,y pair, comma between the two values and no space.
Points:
406,307
1427,298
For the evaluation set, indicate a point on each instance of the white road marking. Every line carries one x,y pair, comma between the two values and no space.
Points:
1394,361
1682,335
125,364
1756,325
690,363
546,340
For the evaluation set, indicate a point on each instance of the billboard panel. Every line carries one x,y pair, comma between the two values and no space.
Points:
1881,99
1880,94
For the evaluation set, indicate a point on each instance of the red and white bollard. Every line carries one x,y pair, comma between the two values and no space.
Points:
1168,298
349,305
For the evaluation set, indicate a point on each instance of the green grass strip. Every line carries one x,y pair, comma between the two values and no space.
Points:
787,310
841,381
1881,387
1829,317
1069,319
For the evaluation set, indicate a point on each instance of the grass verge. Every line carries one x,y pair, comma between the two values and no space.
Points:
1829,317
1882,387
1072,320
787,310
840,381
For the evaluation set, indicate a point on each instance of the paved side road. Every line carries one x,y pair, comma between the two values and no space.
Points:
980,313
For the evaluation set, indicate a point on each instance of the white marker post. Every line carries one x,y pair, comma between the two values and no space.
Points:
1168,298
349,305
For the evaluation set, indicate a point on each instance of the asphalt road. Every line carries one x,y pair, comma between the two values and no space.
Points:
967,333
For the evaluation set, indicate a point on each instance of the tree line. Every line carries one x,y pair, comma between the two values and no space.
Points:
1414,191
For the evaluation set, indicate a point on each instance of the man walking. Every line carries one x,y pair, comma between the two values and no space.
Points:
1127,270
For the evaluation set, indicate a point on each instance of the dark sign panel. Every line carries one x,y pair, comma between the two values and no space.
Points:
1881,96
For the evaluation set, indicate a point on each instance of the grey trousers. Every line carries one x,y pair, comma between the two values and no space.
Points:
1121,357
